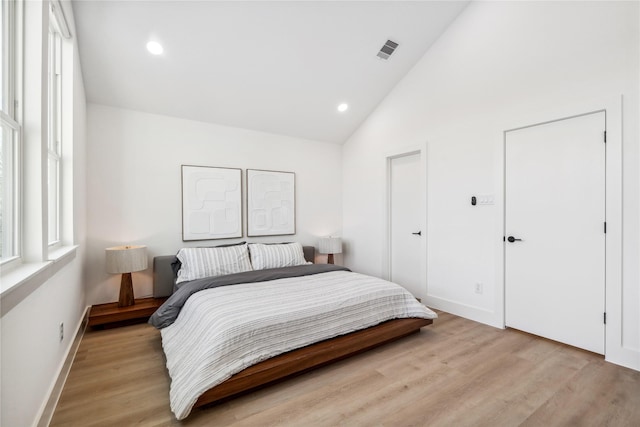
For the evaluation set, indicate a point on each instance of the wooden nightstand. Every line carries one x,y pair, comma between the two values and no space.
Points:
105,314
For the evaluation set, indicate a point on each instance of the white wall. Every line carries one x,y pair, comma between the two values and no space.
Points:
499,65
134,184
32,354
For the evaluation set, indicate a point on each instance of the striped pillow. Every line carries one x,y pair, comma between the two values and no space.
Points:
206,262
276,256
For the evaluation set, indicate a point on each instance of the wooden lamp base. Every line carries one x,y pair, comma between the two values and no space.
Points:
126,291
330,259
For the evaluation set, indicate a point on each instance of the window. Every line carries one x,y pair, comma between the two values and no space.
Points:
5,35
55,130
10,133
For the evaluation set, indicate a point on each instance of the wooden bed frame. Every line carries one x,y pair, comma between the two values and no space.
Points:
307,358
297,361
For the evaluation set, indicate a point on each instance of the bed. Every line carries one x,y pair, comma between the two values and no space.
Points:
227,334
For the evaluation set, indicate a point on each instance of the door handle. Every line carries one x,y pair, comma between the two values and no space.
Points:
418,233
513,239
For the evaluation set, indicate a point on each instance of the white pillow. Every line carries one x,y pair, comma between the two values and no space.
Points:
276,256
206,262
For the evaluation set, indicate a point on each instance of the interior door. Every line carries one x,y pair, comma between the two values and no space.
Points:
555,230
406,195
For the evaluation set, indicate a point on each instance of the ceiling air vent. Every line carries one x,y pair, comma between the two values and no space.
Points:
388,48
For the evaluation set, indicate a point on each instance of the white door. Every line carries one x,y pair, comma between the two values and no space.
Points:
406,201
555,230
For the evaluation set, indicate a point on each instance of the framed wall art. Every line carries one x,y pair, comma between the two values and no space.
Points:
271,203
211,203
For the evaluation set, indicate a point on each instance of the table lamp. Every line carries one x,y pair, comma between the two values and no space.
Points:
330,246
125,260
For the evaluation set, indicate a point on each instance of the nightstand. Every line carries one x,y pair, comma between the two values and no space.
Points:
111,314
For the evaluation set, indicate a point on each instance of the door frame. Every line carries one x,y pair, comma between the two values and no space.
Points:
386,238
614,348
601,209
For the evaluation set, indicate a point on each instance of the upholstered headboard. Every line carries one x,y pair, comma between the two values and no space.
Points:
163,277
309,253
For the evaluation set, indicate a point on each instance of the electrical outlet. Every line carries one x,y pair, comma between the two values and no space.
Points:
61,331
478,288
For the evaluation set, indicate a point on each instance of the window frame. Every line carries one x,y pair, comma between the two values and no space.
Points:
13,146
11,210
55,137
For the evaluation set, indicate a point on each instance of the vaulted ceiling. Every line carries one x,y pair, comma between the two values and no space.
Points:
278,67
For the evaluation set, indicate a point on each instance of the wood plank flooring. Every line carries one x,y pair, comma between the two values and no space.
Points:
454,373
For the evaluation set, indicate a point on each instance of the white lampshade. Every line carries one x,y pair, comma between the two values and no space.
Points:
126,259
330,245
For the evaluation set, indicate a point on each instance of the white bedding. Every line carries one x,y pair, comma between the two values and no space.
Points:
222,331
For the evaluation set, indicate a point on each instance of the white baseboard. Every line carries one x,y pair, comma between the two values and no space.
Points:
624,357
55,392
467,311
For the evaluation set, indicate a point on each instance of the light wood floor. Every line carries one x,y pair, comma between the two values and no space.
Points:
454,373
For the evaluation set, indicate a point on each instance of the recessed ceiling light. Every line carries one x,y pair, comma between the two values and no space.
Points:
155,48
343,107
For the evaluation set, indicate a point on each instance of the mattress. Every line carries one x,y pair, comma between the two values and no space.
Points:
222,330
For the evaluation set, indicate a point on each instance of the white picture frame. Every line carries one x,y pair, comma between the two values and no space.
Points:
211,203
271,203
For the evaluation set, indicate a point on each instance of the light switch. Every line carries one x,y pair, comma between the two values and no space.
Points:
486,199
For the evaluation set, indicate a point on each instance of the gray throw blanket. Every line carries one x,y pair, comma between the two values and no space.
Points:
168,312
